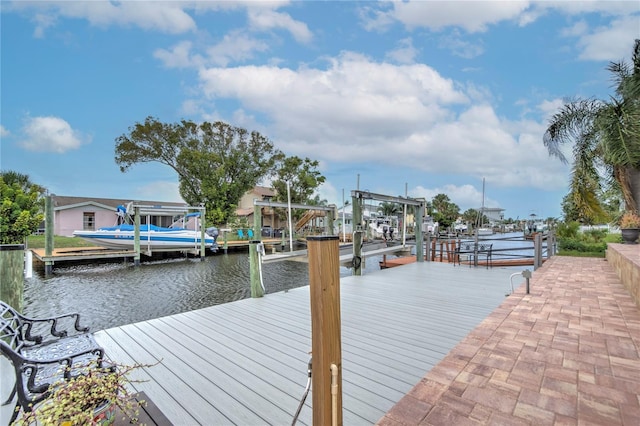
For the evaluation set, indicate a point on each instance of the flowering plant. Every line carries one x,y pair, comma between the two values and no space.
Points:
90,398
630,220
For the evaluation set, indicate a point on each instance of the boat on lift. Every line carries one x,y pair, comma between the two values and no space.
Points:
183,235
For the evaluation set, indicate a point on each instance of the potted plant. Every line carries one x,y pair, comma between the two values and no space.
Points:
630,227
92,398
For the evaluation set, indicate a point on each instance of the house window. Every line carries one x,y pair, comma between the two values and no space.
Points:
89,221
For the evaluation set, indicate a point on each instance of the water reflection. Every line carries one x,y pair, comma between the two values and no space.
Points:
114,294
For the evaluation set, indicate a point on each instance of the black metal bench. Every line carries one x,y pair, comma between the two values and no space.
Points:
44,351
474,251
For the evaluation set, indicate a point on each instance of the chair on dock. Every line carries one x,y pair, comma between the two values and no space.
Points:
240,234
250,233
473,251
44,351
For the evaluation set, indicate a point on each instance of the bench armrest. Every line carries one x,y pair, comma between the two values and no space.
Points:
30,322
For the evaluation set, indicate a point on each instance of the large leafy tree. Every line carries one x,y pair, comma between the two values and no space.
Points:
446,212
606,142
216,163
303,179
21,208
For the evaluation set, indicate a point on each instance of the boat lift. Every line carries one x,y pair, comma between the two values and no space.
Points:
358,197
160,210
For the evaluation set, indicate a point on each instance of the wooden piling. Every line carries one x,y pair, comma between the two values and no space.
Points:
254,269
324,285
48,234
12,274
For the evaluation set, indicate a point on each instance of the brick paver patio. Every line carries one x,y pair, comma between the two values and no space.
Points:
567,353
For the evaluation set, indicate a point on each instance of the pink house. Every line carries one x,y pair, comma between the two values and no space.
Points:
82,213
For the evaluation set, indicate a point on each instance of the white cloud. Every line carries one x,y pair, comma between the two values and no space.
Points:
159,191
460,47
168,17
235,46
465,196
436,15
179,56
51,134
612,42
4,132
262,19
358,111
405,53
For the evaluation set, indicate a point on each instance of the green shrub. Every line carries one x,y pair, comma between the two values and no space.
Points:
577,244
568,230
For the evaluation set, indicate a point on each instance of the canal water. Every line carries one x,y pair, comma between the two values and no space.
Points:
109,295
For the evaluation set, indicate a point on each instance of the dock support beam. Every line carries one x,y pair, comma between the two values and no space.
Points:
48,235
324,285
254,269
537,251
136,236
356,226
12,274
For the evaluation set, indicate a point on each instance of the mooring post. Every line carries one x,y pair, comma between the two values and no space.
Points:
356,232
537,251
202,232
12,274
48,235
254,269
326,344
136,236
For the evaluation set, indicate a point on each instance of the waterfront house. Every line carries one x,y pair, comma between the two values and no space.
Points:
83,213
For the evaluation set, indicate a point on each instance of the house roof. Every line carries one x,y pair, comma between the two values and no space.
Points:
264,191
61,202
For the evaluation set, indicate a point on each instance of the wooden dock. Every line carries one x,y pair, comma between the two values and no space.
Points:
245,362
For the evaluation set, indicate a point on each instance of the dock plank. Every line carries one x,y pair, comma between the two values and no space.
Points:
245,362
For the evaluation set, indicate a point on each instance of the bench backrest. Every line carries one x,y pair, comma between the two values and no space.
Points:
11,325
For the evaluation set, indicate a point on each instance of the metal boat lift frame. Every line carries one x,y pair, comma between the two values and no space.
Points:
358,197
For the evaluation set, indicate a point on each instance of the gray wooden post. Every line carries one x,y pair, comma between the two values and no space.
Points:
136,236
254,269
12,274
418,232
202,229
356,231
48,235
537,251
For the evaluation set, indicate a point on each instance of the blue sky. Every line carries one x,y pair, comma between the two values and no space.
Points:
428,95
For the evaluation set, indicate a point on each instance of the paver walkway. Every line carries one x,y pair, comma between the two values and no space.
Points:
567,353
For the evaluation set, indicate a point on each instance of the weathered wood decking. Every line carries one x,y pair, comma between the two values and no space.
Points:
245,362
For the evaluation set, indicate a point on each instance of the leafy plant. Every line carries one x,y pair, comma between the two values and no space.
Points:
630,220
74,402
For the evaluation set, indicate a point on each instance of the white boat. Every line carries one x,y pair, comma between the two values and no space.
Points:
429,226
484,231
152,238
382,228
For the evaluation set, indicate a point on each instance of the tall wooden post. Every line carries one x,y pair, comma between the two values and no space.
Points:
356,231
48,235
136,236
418,232
324,284
202,229
537,251
12,274
254,269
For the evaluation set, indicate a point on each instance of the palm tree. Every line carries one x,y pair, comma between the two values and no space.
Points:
389,209
606,138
